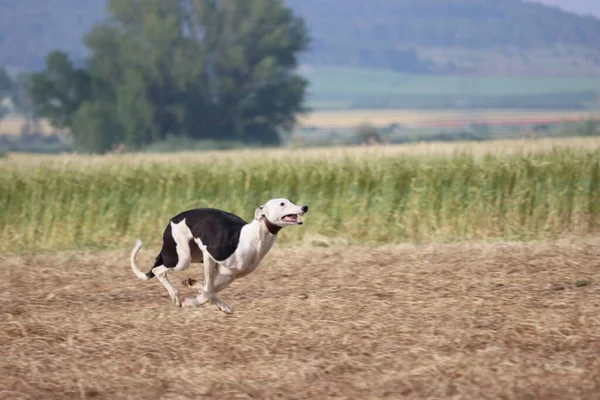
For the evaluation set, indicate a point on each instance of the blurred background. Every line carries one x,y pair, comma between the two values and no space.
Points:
146,75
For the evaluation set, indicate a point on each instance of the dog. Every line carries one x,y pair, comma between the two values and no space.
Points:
228,246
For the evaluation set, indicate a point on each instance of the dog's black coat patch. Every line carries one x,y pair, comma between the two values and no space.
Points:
218,230
168,254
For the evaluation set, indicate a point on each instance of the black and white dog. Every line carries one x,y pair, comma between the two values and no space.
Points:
228,246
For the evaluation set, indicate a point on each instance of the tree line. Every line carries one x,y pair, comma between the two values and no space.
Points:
202,69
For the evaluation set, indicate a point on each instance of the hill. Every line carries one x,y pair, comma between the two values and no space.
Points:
495,36
583,7
491,36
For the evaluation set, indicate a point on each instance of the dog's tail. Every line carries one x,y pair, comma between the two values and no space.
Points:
134,267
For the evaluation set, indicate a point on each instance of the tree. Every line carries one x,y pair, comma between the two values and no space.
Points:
367,133
203,69
15,90
6,90
59,90
22,103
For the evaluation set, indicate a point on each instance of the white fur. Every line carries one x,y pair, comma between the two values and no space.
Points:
254,243
134,267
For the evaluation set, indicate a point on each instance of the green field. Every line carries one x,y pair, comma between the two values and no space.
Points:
371,88
389,198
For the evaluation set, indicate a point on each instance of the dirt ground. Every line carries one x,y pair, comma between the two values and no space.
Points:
463,321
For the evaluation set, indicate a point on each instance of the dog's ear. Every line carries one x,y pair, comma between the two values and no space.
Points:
258,212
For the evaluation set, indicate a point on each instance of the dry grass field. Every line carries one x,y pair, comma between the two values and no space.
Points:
453,321
293,155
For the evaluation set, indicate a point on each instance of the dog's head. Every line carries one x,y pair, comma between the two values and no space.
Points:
281,212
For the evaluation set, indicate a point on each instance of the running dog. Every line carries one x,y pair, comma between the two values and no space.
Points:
228,246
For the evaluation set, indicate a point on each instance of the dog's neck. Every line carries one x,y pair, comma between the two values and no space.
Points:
264,229
271,227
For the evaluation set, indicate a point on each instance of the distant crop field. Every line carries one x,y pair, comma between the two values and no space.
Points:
341,119
341,87
240,157
14,125
439,118
382,195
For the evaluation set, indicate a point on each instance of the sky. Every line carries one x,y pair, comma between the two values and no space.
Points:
579,6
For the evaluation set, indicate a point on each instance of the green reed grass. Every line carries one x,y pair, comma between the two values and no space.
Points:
384,200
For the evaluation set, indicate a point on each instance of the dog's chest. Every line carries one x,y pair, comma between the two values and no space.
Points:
247,257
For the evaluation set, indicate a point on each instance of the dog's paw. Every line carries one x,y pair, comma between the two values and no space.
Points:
177,301
225,308
188,302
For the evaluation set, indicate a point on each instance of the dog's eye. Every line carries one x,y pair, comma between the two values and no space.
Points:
282,204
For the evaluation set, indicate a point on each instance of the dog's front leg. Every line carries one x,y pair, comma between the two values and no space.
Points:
210,273
211,287
222,305
219,283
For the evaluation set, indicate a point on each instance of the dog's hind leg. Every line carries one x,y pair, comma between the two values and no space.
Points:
161,274
176,256
183,262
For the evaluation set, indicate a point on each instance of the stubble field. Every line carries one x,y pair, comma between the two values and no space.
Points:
454,321
343,307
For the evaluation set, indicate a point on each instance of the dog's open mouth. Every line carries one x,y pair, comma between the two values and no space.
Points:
293,218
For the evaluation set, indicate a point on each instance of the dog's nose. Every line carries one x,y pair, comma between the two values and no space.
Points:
304,208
